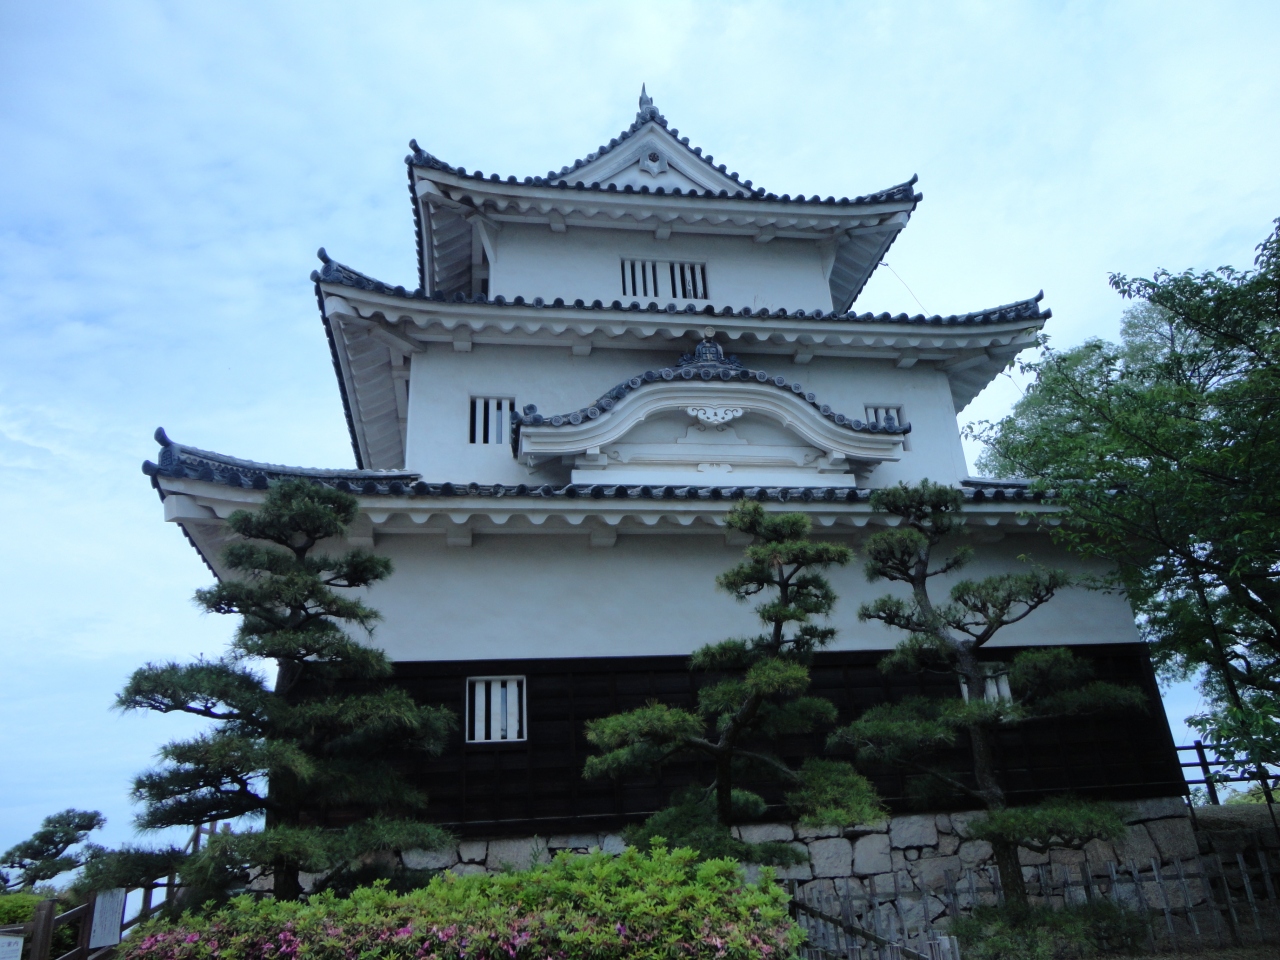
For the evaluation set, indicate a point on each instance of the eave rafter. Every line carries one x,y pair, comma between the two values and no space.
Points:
210,503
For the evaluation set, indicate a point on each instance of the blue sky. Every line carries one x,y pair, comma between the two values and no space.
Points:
167,172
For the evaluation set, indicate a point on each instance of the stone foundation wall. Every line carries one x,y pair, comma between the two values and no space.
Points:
917,848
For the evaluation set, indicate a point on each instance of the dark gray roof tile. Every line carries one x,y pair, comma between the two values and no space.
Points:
180,461
646,115
1029,309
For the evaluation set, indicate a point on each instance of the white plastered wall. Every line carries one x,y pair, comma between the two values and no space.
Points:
555,596
532,261
443,381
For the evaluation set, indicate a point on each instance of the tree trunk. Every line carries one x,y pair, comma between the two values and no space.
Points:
983,752
724,789
286,885
1006,854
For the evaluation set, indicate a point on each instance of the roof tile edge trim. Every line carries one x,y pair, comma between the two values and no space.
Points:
336,273
648,114
178,461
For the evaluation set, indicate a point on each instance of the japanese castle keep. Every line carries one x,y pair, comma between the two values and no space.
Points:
551,426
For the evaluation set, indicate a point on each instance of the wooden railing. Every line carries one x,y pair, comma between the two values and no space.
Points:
1213,769
105,918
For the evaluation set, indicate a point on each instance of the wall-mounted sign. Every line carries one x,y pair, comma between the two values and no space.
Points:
10,947
108,914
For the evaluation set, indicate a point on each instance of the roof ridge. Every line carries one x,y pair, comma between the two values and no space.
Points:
647,114
335,272
897,192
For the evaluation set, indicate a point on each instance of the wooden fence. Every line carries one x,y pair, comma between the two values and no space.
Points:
103,920
1214,771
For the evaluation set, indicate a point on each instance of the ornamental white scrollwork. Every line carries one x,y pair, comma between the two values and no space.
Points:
715,415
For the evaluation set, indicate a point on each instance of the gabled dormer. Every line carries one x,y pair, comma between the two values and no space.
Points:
654,156
647,218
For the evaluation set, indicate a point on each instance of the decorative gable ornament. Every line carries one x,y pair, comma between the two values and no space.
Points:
715,415
654,163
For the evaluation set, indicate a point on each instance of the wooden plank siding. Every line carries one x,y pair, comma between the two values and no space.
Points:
536,786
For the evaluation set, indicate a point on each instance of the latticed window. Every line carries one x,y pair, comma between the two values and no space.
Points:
996,688
491,419
884,414
679,280
495,709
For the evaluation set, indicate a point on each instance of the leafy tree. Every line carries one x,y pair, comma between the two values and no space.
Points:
948,637
326,739
1163,451
757,695
47,853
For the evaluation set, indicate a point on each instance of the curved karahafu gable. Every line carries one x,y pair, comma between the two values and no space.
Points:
708,414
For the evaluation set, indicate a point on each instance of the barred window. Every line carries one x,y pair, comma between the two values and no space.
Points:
495,709
883,414
491,419
679,280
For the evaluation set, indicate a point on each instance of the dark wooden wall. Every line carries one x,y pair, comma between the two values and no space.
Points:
537,786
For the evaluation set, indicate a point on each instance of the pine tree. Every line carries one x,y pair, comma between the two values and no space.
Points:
947,637
47,853
757,694
326,742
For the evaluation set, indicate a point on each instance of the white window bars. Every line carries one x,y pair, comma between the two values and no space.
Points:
883,414
491,419
997,685
495,709
679,280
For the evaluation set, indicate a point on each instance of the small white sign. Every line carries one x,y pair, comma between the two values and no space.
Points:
108,915
10,947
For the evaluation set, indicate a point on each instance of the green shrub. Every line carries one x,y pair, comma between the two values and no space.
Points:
657,905
18,907
1017,932
21,907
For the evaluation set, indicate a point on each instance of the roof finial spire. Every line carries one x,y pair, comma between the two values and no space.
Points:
647,110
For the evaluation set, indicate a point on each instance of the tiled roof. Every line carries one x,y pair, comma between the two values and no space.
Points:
901,191
646,115
334,272
707,362
179,462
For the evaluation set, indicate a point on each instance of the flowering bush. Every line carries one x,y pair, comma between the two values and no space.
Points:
657,905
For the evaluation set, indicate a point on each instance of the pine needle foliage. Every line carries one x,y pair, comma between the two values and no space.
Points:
756,694
329,736
948,636
49,852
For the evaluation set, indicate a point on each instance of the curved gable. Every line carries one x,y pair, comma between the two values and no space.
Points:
708,414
